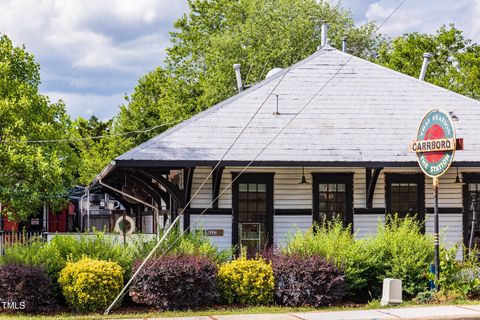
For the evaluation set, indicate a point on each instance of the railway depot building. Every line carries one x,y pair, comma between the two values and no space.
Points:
328,137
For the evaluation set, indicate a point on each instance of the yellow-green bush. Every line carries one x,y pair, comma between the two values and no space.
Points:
90,285
246,282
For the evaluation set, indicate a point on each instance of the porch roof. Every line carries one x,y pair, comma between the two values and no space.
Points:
366,114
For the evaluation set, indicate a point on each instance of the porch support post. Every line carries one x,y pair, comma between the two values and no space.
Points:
371,182
187,184
216,182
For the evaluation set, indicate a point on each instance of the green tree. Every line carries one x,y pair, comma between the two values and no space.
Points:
95,146
31,173
455,64
258,34
215,34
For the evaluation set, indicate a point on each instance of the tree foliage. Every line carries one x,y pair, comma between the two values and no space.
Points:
258,34
455,64
31,173
95,146
197,72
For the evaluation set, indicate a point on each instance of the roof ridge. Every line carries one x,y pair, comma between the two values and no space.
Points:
411,78
225,102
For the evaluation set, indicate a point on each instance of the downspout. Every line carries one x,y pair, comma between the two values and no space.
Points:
88,209
45,217
81,211
1,218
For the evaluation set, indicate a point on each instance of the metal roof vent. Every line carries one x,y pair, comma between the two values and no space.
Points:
344,44
426,60
324,39
238,75
273,72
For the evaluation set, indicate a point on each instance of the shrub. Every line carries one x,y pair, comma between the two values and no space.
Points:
312,281
402,251
53,256
190,244
90,285
176,282
459,279
425,297
246,282
29,288
398,250
336,243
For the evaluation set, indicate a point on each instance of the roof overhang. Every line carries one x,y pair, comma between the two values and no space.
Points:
178,164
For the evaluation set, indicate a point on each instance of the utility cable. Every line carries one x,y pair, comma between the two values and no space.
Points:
250,162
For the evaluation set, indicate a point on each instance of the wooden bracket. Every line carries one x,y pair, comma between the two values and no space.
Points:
216,182
371,182
187,184
172,189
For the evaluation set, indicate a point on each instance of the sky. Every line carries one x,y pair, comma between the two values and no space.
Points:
93,52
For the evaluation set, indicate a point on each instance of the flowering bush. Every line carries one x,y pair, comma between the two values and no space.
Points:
25,288
246,282
90,285
176,282
312,281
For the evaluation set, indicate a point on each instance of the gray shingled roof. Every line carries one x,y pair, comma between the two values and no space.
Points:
367,113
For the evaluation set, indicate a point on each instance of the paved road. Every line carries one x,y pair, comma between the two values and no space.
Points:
423,313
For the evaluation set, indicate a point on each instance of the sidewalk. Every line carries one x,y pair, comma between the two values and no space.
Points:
435,312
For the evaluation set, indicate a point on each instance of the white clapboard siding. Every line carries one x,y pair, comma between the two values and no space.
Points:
283,226
222,222
288,192
201,195
365,224
449,193
451,228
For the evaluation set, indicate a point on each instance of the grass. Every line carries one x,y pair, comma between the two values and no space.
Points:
223,311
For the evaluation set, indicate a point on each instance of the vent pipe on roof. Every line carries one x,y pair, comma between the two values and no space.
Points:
426,60
324,35
344,44
236,66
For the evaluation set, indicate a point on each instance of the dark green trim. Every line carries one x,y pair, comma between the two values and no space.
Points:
347,179
250,177
293,212
360,211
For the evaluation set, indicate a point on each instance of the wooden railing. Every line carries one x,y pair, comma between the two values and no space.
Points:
8,238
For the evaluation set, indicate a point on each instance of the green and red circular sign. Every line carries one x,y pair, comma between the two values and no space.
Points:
435,144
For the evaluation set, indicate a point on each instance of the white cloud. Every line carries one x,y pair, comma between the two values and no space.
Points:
93,48
85,105
474,21
426,16
403,19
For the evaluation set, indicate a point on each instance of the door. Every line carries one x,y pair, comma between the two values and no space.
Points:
471,209
252,228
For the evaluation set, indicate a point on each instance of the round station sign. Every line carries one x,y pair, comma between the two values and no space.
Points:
435,144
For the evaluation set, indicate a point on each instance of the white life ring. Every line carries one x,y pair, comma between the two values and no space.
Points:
129,220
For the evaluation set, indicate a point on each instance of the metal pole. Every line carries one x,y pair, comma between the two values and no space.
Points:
436,230
2,236
472,229
124,229
88,210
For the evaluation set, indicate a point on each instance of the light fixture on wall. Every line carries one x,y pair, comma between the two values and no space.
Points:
457,178
304,179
